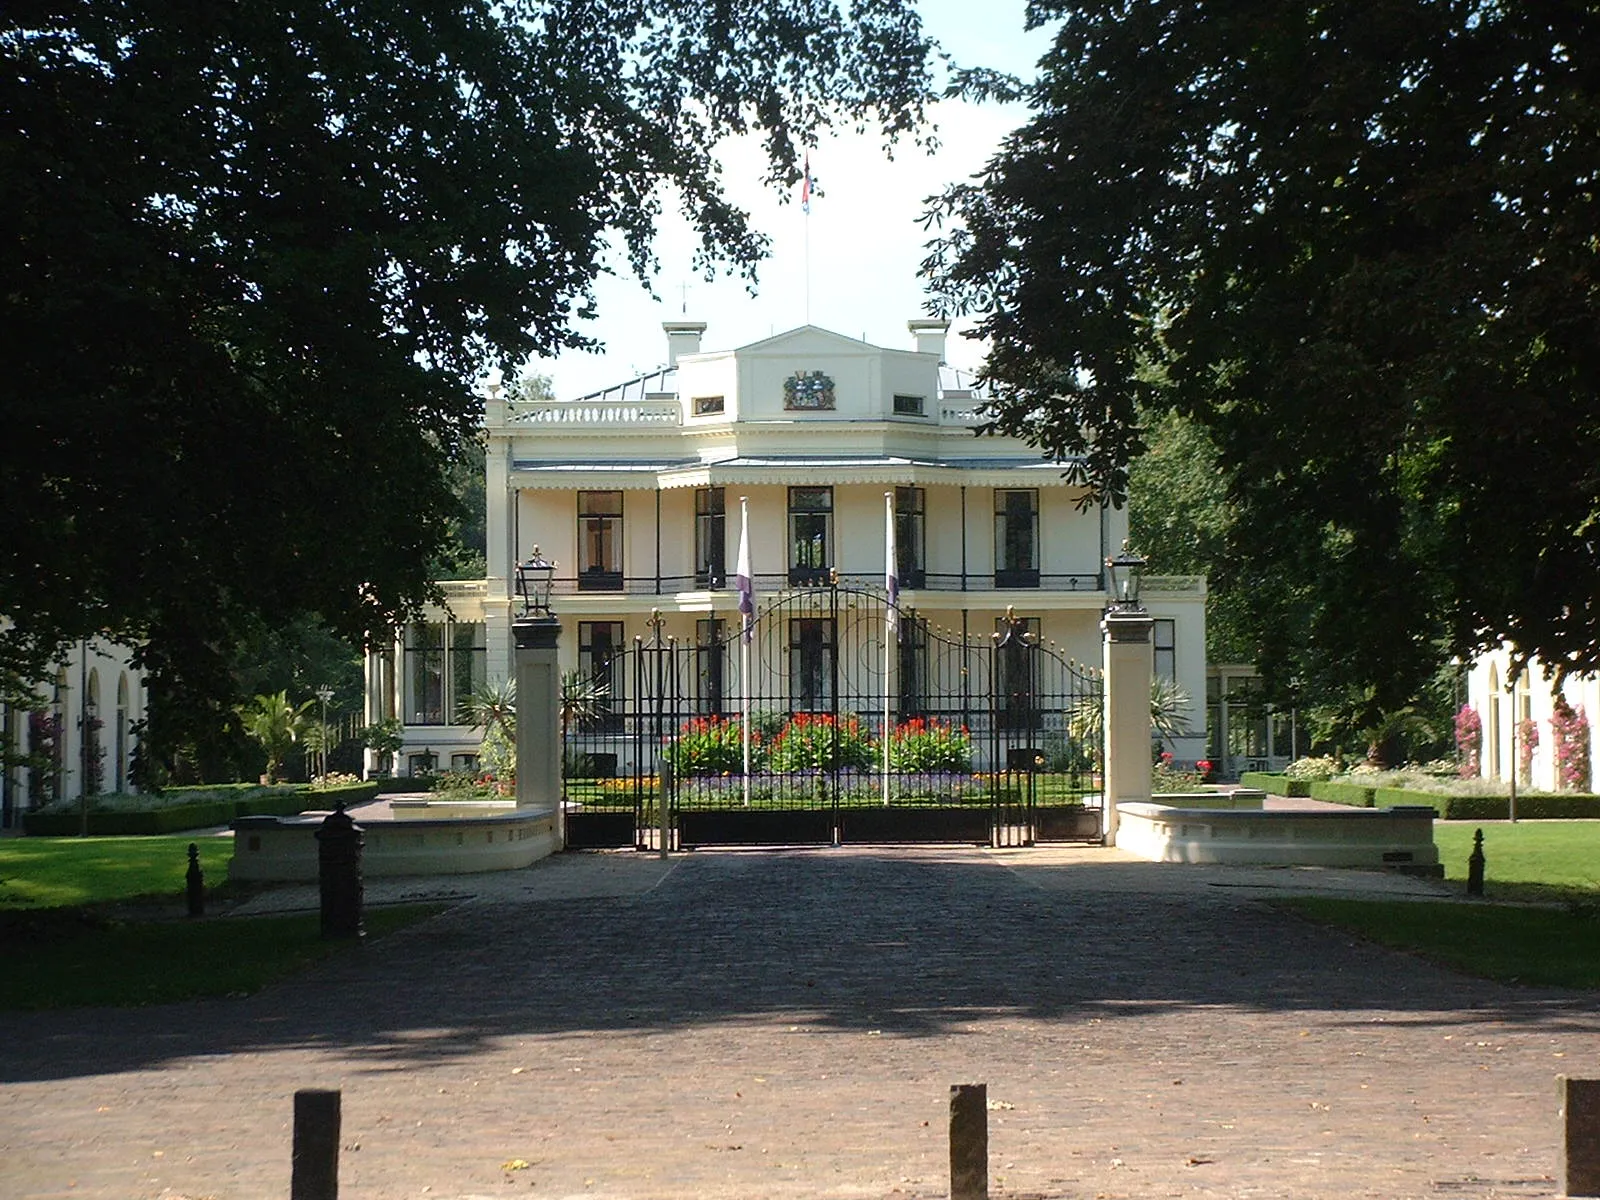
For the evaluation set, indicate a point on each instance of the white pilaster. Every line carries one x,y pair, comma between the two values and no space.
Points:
1128,662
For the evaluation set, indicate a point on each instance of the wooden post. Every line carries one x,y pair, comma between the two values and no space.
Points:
315,1174
969,1141
1580,1112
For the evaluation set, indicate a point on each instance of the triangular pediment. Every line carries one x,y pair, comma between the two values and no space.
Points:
808,340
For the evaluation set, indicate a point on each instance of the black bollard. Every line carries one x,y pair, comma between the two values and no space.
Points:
1475,866
339,845
196,883
314,1167
969,1141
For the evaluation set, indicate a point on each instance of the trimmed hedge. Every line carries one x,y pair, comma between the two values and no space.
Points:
1275,784
1561,806
176,818
1352,794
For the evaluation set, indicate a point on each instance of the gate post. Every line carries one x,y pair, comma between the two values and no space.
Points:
539,717
1129,663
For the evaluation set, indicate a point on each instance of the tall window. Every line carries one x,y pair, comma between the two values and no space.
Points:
810,532
1016,537
438,683
909,536
710,538
598,645
600,541
811,663
469,669
119,779
711,663
912,654
1017,667
424,700
1165,642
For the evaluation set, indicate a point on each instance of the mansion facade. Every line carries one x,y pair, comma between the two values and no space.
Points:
79,729
636,493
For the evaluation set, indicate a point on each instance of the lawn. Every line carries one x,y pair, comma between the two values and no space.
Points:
1531,860
79,926
1549,933
52,872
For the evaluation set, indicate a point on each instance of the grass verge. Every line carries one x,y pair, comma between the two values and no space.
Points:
52,872
1547,947
76,957
1529,861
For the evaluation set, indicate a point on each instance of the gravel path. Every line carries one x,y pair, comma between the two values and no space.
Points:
787,1024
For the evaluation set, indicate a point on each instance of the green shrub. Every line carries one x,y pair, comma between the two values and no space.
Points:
712,746
1541,806
1392,797
1312,770
1353,794
821,742
1275,785
920,745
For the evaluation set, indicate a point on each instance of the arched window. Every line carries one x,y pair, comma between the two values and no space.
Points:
1491,741
119,781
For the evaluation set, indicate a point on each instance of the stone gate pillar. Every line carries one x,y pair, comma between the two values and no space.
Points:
539,717
1129,663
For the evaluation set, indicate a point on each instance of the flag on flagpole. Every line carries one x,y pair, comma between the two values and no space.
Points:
746,583
891,569
805,187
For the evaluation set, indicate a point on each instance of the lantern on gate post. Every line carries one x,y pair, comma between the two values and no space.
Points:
534,581
1126,571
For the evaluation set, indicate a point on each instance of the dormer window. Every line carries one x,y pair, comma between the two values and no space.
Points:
808,390
908,406
708,406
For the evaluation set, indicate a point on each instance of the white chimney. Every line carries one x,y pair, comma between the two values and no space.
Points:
683,337
930,336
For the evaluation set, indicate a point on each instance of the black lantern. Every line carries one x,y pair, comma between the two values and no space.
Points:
533,585
1126,570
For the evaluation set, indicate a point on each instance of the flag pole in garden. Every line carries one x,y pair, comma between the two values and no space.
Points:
747,612
891,628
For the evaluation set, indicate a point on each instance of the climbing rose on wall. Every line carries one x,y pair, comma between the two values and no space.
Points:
1469,741
1569,739
1527,743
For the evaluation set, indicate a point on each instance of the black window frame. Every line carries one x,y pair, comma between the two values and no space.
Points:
810,556
608,522
813,645
711,537
1016,528
910,536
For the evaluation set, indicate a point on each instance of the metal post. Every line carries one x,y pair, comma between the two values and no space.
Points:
1475,864
196,884
339,844
315,1163
969,1141
1580,1159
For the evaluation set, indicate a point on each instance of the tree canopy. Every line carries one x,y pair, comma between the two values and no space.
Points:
1356,244
259,255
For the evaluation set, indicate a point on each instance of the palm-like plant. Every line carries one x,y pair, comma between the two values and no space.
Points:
492,707
1167,704
276,724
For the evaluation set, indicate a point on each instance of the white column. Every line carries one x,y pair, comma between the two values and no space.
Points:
539,718
1128,662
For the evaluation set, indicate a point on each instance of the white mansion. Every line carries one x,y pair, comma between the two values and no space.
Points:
635,493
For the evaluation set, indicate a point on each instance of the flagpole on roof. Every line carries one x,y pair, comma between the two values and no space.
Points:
805,207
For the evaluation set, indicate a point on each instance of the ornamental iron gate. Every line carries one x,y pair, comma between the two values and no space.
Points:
991,741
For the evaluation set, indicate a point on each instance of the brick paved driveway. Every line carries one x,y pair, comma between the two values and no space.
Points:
788,1024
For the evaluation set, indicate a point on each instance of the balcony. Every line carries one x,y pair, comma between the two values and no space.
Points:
614,582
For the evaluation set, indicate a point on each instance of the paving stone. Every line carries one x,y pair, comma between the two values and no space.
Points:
788,1024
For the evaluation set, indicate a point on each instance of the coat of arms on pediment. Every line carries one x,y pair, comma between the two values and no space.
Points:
808,389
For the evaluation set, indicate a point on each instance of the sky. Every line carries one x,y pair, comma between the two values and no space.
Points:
860,247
